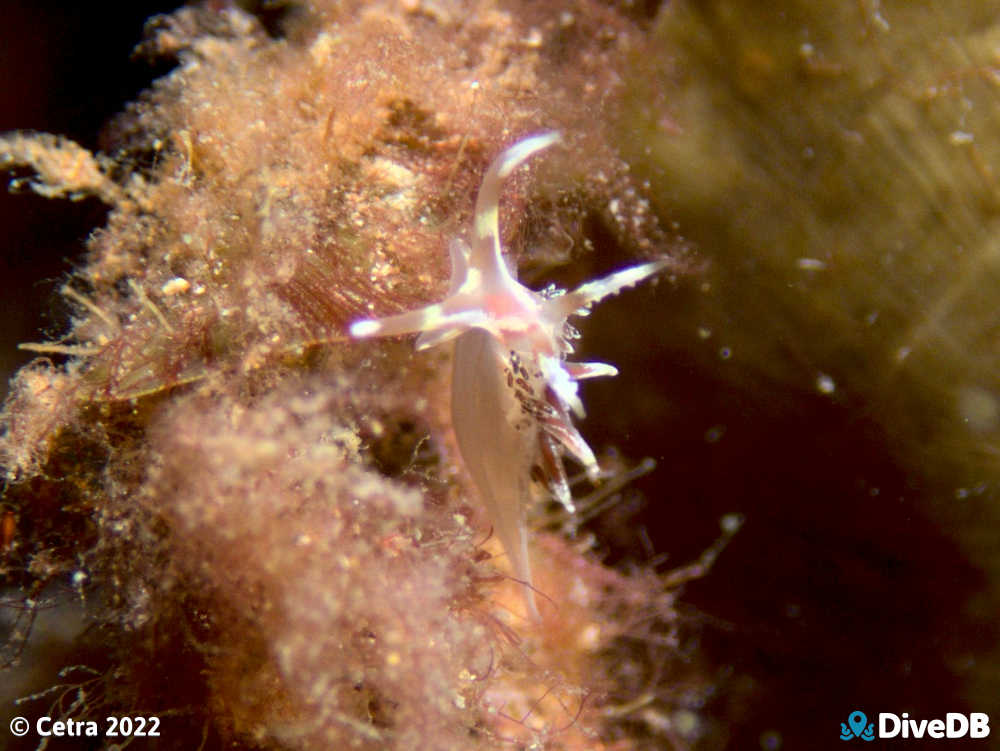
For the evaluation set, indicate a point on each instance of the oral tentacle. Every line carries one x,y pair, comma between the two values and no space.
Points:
579,300
410,322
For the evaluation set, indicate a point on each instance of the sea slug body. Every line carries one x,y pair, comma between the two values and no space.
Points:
513,391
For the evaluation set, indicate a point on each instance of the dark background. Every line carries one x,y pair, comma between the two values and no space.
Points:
67,69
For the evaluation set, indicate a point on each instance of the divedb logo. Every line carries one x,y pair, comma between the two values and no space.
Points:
954,725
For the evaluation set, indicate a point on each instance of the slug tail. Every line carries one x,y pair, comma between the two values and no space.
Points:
497,451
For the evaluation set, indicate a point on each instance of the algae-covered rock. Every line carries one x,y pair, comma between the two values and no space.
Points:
263,522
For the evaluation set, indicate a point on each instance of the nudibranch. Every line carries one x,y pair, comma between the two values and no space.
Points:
512,389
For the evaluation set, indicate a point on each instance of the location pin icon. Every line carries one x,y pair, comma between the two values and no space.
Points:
857,721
